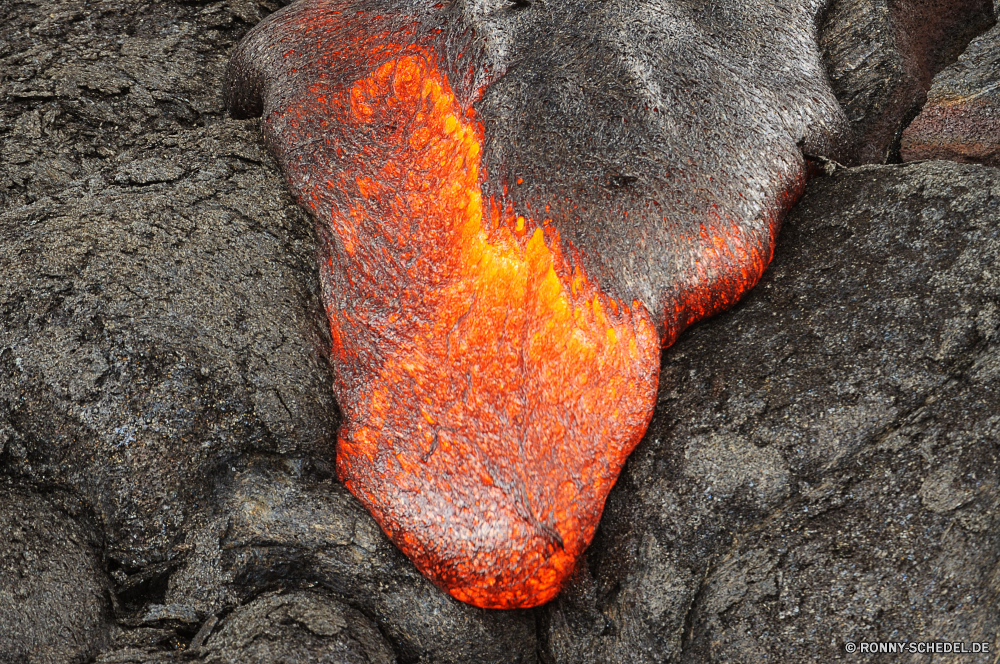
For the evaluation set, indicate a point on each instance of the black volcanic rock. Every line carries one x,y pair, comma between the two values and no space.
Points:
54,599
961,120
823,463
297,627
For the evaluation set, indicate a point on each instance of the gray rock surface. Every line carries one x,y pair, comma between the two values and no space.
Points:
304,627
961,120
822,465
54,595
159,295
881,56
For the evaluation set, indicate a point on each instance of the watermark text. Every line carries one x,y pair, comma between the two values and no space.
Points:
917,647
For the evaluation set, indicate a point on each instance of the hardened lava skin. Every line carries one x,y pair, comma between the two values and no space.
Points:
518,207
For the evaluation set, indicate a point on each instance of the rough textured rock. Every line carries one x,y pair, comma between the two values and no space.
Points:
276,627
143,237
500,264
297,627
881,56
823,464
159,292
961,120
160,305
54,601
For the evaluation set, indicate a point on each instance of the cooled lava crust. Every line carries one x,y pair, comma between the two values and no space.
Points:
518,206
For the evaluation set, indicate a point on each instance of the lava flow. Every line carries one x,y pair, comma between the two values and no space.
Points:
491,390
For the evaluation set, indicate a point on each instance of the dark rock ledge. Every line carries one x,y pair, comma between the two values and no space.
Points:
961,120
822,466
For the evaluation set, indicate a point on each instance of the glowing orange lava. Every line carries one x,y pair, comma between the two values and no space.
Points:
491,391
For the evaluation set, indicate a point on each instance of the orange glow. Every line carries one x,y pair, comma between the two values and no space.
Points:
491,391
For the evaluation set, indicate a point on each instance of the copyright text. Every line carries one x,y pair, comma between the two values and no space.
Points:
919,647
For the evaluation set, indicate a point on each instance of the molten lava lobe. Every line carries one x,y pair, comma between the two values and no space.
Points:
497,330
498,399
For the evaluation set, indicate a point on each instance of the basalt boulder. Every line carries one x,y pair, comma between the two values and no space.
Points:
881,56
961,120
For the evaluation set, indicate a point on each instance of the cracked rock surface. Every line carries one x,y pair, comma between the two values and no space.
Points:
961,120
821,467
881,55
